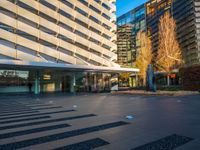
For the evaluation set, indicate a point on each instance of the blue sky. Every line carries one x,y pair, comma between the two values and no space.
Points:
124,6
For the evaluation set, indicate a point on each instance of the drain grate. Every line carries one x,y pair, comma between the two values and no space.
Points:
166,143
45,121
54,137
38,114
85,145
30,131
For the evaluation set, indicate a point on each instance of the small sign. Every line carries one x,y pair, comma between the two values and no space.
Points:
173,76
46,77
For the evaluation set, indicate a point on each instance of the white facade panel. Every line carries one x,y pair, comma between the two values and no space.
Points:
45,27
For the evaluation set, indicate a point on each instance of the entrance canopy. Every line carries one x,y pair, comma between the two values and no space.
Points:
14,64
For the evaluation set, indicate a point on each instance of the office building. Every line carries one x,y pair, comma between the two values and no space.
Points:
154,10
186,15
51,45
127,44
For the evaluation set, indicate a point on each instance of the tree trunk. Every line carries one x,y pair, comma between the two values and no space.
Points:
168,80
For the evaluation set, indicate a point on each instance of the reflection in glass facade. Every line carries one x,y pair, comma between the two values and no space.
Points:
128,25
125,45
132,17
13,81
54,81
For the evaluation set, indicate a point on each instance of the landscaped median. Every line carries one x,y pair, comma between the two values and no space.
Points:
164,93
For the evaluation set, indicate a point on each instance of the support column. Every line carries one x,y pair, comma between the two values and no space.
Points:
73,83
37,83
87,82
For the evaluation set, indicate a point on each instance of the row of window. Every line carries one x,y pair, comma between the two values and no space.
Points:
64,26
103,4
131,17
49,18
86,14
45,43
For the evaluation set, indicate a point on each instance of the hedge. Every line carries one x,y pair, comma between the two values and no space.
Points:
190,78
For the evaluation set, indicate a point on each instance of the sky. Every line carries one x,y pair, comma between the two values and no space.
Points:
124,6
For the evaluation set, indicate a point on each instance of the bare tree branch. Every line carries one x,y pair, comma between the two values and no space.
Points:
169,52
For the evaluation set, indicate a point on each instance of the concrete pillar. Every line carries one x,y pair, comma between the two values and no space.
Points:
73,83
87,82
57,79
37,83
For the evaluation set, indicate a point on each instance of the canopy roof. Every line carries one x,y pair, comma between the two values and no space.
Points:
18,64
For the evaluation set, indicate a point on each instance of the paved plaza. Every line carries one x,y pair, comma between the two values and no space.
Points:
100,121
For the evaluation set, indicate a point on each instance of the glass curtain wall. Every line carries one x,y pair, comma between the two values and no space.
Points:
13,81
45,81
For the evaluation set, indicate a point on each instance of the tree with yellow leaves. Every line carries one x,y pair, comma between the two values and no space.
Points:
144,55
169,53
